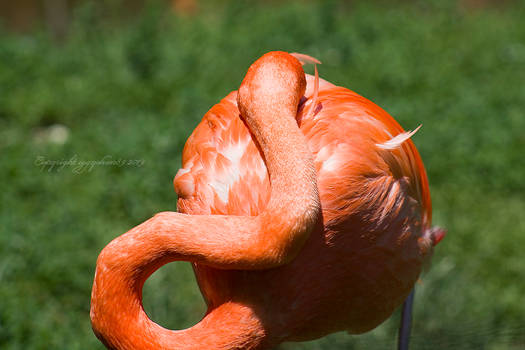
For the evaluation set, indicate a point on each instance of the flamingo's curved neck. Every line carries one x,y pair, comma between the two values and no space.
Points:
268,100
229,326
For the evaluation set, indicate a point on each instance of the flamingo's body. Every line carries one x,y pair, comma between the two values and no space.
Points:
367,243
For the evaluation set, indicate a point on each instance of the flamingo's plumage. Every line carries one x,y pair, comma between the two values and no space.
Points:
360,261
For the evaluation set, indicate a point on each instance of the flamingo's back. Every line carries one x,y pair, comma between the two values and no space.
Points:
367,252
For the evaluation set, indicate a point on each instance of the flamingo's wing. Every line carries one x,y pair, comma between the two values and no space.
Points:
346,133
222,171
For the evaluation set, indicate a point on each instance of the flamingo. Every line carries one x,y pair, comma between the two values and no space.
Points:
303,207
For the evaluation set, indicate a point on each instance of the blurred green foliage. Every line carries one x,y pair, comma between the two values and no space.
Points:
136,89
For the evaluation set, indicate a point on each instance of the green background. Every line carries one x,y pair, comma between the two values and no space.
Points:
135,89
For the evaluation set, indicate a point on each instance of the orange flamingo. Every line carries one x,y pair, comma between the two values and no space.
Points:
310,214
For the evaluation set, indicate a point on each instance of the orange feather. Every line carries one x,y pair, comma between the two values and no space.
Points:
311,268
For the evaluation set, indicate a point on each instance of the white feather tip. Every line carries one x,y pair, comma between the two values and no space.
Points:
397,141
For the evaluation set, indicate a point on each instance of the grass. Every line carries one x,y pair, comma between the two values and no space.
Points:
135,90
